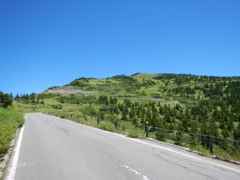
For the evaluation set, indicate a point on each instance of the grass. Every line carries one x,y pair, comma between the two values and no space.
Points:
218,153
123,127
144,75
134,133
107,126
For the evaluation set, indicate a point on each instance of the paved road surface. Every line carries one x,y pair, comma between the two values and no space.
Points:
57,149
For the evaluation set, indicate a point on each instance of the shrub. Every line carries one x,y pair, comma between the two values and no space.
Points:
134,133
107,126
10,120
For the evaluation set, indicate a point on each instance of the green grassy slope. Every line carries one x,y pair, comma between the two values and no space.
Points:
206,105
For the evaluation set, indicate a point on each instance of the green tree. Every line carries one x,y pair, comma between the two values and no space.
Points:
5,100
194,132
236,135
180,129
160,135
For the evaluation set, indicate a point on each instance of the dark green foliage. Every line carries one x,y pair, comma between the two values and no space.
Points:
88,110
103,100
135,121
135,74
5,100
81,82
124,78
56,106
237,133
34,99
179,138
104,108
113,100
76,99
160,135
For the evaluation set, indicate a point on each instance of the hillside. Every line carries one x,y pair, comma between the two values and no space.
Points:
176,106
182,87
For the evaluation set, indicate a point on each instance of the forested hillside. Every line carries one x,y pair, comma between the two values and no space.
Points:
207,104
177,102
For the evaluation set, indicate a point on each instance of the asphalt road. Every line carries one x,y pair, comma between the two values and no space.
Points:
51,148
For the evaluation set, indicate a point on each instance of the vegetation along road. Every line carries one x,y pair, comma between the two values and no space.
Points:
51,148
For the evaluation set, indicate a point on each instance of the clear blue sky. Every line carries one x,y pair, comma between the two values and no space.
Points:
46,43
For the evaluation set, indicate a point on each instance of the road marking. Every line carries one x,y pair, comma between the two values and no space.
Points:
168,149
13,168
159,147
186,155
137,173
26,164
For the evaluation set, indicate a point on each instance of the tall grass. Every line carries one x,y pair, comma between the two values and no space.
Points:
10,121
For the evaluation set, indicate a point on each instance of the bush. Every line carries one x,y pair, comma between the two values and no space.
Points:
56,106
107,126
5,100
124,125
10,120
134,133
160,135
62,116
104,108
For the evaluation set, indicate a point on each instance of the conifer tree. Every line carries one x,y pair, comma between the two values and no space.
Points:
236,135
5,100
179,134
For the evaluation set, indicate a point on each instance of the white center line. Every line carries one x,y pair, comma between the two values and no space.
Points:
137,173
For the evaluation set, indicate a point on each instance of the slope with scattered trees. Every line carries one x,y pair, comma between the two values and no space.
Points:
207,104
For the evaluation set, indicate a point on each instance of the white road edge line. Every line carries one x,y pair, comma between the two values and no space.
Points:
156,146
13,167
167,149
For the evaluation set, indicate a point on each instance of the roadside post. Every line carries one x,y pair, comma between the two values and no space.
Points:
146,129
116,124
210,141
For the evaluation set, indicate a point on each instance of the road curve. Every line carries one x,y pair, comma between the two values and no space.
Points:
56,149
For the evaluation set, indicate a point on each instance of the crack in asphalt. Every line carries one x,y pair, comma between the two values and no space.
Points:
182,166
120,164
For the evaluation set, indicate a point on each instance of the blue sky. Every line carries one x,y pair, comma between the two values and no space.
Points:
46,43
